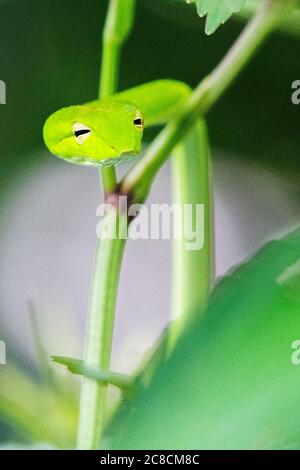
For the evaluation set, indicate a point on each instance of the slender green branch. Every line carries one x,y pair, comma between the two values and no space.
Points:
76,366
119,21
117,27
290,24
108,176
109,252
138,180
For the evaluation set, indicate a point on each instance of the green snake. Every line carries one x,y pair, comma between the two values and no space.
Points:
110,131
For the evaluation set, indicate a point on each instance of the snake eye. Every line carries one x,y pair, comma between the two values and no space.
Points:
138,121
81,132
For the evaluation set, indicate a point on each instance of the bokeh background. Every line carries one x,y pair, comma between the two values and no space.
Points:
50,57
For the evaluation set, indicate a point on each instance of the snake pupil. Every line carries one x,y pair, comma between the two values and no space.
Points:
81,132
138,122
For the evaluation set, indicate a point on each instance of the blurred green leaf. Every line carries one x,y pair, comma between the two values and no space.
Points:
217,11
230,382
35,409
42,356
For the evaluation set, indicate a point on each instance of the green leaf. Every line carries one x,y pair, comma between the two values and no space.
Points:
290,25
230,382
23,401
217,11
41,353
77,366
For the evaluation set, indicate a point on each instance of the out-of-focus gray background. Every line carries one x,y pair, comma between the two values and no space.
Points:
47,240
50,58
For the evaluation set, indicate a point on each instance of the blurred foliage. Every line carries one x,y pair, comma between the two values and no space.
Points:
36,404
218,13
50,58
230,382
36,410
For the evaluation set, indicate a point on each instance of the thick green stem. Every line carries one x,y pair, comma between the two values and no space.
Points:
138,180
109,252
193,249
102,303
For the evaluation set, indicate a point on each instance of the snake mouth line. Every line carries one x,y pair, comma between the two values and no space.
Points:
124,157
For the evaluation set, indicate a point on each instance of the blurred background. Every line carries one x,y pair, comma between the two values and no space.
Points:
50,56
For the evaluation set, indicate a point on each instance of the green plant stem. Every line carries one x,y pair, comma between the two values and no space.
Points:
138,180
108,176
101,309
117,27
193,249
77,366
109,252
290,24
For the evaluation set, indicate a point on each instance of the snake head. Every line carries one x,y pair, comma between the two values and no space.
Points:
99,133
